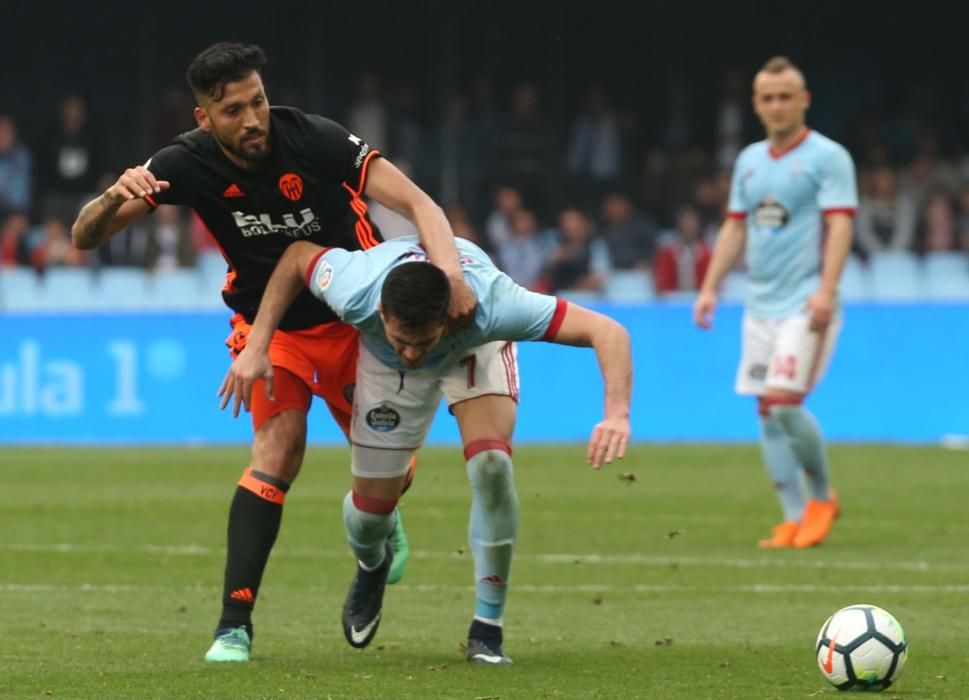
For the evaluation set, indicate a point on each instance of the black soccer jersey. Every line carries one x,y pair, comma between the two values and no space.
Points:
309,189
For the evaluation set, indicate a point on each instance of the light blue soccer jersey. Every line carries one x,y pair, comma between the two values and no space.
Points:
350,283
783,197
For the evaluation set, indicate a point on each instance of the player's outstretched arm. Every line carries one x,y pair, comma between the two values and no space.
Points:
585,328
730,244
393,189
253,362
121,204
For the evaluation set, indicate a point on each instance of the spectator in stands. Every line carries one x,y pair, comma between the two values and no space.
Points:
629,234
928,173
461,224
13,240
69,164
50,245
169,244
173,117
460,172
594,155
731,114
526,150
938,230
710,204
15,171
367,117
964,217
683,256
579,260
405,132
886,214
523,256
484,125
507,201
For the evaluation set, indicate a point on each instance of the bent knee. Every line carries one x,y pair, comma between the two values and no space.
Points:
489,462
765,404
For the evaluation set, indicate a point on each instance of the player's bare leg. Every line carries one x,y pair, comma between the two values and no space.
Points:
807,445
487,424
254,518
398,538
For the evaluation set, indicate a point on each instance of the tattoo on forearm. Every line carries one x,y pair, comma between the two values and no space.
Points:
92,222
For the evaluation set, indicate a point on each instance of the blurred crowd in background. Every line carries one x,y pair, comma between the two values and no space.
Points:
564,203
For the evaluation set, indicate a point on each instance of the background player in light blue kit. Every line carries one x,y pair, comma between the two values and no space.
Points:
399,301
792,196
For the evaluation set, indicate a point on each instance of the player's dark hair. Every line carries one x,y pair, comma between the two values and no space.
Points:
223,63
416,294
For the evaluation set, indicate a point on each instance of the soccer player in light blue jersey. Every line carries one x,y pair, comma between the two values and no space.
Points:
792,203
398,300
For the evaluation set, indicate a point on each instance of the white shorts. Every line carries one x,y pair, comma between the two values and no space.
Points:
784,354
393,410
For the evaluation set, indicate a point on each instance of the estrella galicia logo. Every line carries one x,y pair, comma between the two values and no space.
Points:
383,419
757,372
771,214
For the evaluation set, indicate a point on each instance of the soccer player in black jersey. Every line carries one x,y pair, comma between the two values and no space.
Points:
261,178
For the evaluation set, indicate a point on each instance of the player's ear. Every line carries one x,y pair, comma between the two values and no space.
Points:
380,310
807,98
202,119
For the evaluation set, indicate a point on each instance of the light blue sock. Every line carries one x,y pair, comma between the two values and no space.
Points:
492,530
808,445
782,466
366,532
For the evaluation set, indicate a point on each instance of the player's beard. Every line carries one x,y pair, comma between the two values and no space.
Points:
254,159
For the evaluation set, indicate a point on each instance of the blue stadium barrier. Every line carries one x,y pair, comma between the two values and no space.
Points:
896,275
151,378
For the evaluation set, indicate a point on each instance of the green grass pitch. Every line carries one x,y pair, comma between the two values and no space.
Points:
640,581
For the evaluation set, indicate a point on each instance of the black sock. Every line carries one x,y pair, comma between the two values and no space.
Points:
489,634
254,518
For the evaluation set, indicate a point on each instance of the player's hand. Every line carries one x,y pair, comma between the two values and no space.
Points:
703,308
134,183
821,306
463,305
608,442
249,367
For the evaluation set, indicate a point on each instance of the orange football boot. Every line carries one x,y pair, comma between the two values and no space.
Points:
781,536
819,516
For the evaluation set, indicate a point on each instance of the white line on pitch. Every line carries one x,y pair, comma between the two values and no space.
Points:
761,588
635,559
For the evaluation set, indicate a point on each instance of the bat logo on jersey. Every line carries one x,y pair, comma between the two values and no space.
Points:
262,225
383,419
770,214
291,185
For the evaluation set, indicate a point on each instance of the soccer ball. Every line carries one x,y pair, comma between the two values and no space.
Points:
861,647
